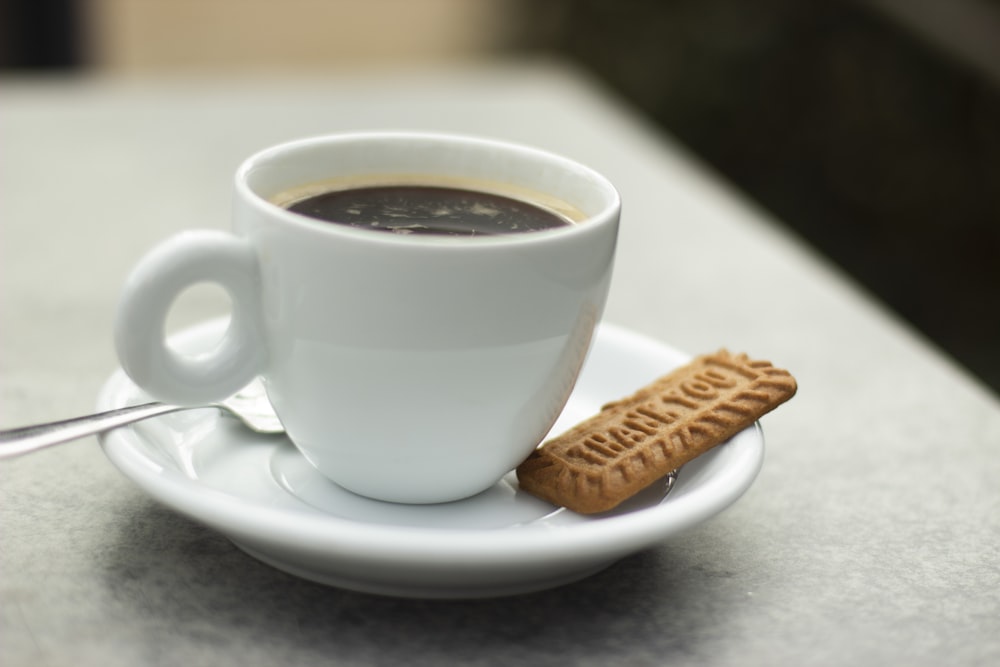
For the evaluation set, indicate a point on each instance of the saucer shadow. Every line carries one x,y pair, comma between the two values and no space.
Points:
188,582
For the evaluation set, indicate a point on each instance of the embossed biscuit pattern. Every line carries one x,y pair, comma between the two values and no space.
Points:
633,442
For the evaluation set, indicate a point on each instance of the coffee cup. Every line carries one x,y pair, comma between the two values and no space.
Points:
408,363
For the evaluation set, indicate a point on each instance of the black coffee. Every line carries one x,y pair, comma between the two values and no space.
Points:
424,209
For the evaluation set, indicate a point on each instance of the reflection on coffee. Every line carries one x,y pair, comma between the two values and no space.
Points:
428,209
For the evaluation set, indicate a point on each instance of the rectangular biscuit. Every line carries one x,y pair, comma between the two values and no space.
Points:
637,440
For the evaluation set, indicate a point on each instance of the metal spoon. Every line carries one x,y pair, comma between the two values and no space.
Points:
249,405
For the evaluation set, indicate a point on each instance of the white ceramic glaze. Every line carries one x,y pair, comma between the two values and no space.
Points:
409,369
263,495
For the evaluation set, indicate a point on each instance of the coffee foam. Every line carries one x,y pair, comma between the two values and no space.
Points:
290,196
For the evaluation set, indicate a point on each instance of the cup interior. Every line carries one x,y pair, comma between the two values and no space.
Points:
408,157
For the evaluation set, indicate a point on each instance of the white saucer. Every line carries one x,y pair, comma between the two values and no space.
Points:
269,501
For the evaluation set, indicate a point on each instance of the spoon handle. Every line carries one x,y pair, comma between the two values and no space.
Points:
17,441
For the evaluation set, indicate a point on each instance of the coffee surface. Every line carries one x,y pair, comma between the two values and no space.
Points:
426,209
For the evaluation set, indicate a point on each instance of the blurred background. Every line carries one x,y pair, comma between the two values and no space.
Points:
871,128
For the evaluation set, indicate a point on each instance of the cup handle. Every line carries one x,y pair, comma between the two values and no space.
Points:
140,339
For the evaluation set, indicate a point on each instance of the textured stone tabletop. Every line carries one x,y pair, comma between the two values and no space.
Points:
871,536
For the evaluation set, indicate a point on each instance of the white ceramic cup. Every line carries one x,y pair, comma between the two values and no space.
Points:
411,369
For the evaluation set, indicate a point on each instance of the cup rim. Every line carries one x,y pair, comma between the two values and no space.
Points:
607,214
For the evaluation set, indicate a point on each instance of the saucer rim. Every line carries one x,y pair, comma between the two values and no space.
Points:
598,538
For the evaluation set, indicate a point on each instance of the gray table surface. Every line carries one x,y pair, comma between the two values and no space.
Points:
871,536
